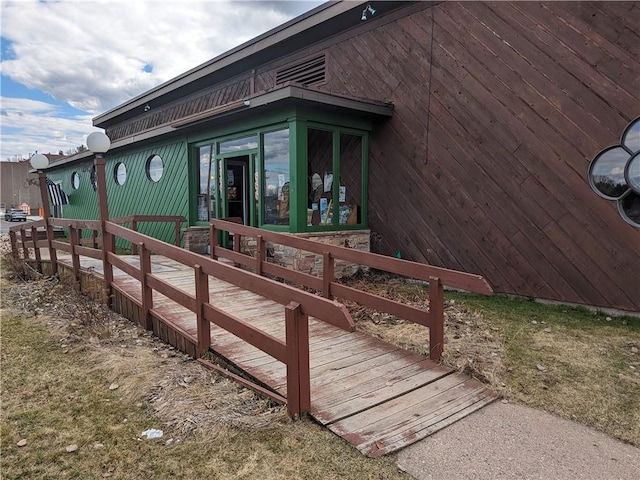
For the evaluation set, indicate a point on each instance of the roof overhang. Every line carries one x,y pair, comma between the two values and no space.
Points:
323,21
290,95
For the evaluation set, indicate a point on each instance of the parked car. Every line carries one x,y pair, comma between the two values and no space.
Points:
15,215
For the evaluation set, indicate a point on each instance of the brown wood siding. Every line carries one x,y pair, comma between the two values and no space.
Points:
483,165
219,94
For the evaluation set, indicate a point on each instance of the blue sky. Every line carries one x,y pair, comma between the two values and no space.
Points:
63,62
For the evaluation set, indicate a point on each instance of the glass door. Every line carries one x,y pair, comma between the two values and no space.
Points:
237,195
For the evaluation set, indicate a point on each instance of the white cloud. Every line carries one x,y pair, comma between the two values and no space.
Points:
94,55
29,125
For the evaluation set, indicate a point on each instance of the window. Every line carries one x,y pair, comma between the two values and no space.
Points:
75,180
320,183
206,184
350,186
614,173
154,168
335,194
120,173
276,191
239,144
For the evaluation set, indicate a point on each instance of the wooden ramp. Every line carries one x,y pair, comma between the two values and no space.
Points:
377,396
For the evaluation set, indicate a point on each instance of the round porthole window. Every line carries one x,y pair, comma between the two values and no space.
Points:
155,168
120,173
75,180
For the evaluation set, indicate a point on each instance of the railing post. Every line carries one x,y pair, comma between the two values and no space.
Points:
146,291
202,297
213,241
134,227
237,238
436,312
14,245
75,258
46,211
178,232
261,253
36,250
23,240
94,239
327,274
107,238
298,375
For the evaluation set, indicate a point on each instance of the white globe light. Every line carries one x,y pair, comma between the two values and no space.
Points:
39,161
98,142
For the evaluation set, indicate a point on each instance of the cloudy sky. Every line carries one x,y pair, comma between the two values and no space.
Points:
65,61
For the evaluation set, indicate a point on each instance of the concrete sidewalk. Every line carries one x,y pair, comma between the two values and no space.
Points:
505,441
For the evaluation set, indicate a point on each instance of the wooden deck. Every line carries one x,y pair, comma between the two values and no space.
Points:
375,395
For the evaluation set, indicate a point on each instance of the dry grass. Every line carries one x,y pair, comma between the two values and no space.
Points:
76,374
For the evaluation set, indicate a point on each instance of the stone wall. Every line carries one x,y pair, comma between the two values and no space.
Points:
197,240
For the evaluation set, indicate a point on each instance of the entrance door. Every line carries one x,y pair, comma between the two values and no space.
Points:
237,197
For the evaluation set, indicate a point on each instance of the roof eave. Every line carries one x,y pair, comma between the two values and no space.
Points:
276,35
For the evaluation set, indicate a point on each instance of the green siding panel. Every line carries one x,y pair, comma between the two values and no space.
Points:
138,195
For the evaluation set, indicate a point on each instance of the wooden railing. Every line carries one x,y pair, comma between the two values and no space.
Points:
325,283
134,220
298,304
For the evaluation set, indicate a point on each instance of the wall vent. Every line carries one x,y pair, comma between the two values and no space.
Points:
311,71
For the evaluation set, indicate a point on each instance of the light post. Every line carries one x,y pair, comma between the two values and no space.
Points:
39,162
98,143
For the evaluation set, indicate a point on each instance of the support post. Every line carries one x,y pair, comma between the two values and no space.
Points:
46,214
298,375
436,312
213,241
107,239
327,274
236,246
14,245
25,246
261,253
134,227
36,250
146,291
202,297
75,258
178,232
